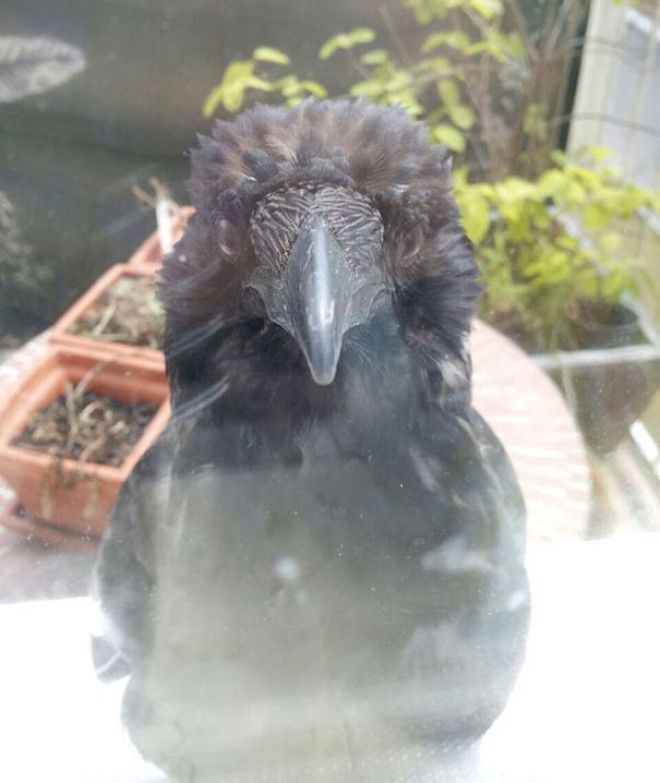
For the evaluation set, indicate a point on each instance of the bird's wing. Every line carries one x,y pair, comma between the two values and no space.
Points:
480,635
124,576
462,460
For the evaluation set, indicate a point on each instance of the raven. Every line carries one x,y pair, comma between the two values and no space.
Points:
320,563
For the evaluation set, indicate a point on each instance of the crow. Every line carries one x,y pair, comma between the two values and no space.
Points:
320,563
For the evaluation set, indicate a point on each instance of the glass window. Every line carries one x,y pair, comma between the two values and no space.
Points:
329,405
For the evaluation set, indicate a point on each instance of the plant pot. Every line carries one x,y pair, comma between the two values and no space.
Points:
65,492
15,517
608,400
150,252
61,334
608,326
608,396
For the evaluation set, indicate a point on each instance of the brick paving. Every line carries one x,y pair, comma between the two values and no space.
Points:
527,411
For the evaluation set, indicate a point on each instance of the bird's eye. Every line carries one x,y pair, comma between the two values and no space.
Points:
259,326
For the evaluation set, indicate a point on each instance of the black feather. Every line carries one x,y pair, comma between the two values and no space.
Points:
295,572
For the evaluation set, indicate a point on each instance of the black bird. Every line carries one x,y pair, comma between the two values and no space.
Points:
320,564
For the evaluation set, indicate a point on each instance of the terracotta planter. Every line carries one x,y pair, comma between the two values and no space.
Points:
14,517
68,493
60,334
150,251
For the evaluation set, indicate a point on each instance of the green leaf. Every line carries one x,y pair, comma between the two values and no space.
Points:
462,116
599,153
229,92
487,9
314,87
449,93
440,66
232,98
361,35
614,284
291,89
514,190
453,38
595,217
212,101
574,193
237,70
534,121
610,241
448,135
475,217
515,46
346,41
269,55
399,80
375,57
551,183
285,81
256,83
332,45
370,87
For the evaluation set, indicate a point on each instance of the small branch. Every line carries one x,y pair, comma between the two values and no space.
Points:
357,65
165,208
104,320
161,192
520,25
70,398
95,445
391,29
89,376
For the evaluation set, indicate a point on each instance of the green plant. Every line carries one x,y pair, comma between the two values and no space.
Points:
549,232
483,82
547,247
240,76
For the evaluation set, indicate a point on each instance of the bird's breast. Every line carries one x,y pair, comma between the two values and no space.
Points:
298,599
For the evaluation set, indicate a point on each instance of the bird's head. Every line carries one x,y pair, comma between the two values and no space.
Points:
312,224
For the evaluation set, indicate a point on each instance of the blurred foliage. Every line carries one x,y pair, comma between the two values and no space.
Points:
548,246
483,83
547,230
240,76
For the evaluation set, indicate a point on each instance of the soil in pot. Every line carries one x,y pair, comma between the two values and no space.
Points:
128,312
87,426
104,442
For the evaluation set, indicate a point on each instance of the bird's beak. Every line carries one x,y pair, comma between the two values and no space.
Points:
320,296
317,284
